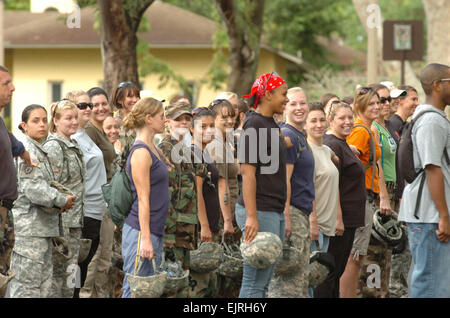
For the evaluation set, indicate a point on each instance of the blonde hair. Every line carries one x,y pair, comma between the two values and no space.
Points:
73,95
56,109
362,99
332,111
144,107
226,95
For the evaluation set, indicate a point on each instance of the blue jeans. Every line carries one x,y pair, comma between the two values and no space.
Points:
431,257
255,282
324,242
129,246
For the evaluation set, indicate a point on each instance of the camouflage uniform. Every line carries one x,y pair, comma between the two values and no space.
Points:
296,284
222,154
378,257
31,259
182,218
7,242
69,170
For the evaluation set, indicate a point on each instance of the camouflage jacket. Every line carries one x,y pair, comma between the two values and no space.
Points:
182,217
34,193
126,141
69,170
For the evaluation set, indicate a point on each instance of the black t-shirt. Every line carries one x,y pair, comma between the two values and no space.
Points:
210,189
352,188
262,146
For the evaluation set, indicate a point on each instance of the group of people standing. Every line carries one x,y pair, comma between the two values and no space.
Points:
312,173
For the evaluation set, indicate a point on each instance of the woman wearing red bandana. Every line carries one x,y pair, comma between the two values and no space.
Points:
261,155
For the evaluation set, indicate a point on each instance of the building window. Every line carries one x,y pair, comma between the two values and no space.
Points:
55,91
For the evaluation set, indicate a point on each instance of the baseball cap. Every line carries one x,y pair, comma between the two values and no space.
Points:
175,110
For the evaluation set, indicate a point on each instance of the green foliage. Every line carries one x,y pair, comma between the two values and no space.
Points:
206,8
17,5
86,3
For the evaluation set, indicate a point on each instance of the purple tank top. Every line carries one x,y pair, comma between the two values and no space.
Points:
159,194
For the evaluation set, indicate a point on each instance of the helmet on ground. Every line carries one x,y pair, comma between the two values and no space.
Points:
4,279
290,260
85,247
61,250
177,278
206,258
320,265
232,264
147,286
386,229
263,251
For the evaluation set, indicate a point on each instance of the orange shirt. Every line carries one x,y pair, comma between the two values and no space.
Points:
360,138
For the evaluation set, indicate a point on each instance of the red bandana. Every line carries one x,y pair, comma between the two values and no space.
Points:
264,83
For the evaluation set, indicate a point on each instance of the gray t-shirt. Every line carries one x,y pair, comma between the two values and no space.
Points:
431,135
95,175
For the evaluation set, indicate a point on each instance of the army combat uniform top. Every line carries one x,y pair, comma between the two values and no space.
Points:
34,193
66,159
182,217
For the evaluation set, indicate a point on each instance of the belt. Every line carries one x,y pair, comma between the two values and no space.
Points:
7,203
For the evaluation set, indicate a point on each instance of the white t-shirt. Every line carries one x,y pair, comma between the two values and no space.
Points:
431,135
95,175
326,186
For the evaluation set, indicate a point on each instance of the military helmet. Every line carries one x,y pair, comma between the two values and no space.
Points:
206,258
290,260
4,279
147,286
85,247
386,229
232,264
263,251
61,250
177,278
320,265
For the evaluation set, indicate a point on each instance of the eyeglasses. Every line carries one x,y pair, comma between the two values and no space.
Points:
125,83
273,73
83,106
384,99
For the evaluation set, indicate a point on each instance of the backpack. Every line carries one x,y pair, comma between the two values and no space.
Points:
405,158
372,155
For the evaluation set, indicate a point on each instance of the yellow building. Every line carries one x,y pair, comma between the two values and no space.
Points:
49,54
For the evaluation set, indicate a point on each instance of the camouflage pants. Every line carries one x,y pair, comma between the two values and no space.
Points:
116,272
374,273
178,254
66,276
97,283
296,284
32,262
400,264
6,242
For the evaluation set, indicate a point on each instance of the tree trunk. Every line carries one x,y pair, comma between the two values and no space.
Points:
119,24
244,31
437,13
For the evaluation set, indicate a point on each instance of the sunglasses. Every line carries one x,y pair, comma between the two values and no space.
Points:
444,80
216,102
273,73
83,106
384,99
60,103
199,110
125,83
364,90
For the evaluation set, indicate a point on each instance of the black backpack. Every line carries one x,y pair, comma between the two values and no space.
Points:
405,157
